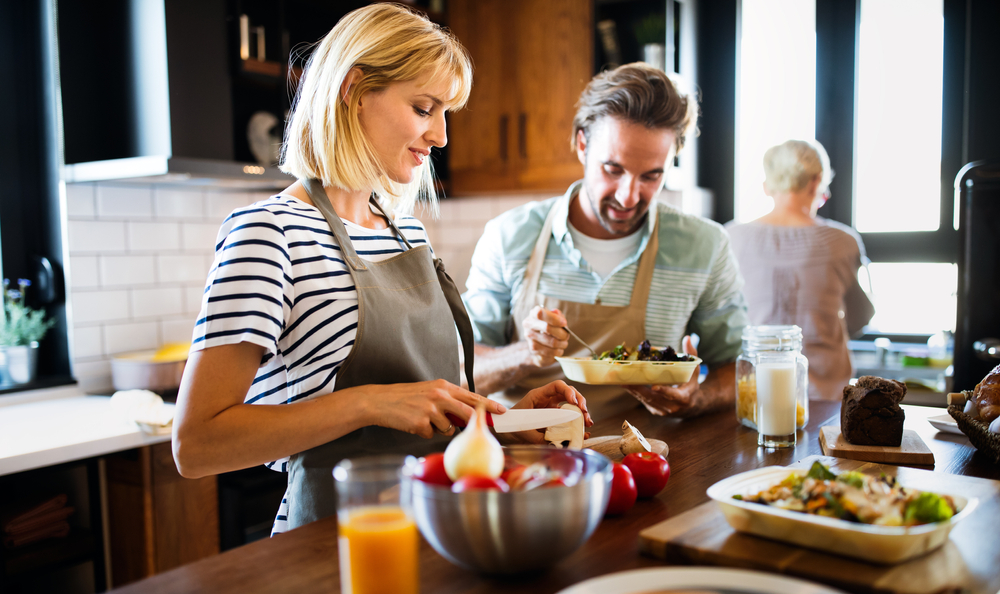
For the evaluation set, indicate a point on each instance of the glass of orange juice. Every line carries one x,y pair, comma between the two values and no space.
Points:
378,539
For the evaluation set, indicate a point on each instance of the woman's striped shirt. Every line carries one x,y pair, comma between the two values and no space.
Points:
279,281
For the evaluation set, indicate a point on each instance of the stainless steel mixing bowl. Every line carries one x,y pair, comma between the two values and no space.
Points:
504,533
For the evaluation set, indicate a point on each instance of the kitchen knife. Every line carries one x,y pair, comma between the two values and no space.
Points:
517,419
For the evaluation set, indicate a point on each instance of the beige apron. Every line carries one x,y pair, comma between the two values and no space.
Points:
602,326
408,309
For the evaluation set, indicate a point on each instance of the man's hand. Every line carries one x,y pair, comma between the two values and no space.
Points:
690,398
543,330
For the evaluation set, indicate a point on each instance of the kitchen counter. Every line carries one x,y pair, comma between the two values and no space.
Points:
67,426
702,452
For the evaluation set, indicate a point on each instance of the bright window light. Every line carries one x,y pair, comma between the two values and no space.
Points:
776,91
912,297
898,150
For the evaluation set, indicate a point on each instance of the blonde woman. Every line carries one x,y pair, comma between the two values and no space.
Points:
327,328
802,269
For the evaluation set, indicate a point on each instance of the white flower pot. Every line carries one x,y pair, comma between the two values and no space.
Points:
19,363
655,54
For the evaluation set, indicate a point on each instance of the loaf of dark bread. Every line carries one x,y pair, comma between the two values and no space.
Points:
870,413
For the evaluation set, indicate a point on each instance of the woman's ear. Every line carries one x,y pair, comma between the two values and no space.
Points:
353,76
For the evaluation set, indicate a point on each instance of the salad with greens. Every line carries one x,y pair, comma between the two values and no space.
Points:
855,497
643,352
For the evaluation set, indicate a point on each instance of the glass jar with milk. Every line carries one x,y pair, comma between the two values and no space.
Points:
772,378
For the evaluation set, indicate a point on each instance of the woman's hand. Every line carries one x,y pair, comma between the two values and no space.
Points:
548,396
543,331
420,408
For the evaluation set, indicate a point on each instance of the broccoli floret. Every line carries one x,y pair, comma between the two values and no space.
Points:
927,508
820,472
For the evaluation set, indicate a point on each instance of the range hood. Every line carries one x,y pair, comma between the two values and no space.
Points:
149,95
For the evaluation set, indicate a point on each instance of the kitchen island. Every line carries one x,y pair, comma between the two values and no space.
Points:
702,452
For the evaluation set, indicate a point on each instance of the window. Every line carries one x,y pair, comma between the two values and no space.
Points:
776,90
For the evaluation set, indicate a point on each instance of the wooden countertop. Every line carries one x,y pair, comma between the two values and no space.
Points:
702,451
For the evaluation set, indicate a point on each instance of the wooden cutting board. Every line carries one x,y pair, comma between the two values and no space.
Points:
608,445
968,562
912,450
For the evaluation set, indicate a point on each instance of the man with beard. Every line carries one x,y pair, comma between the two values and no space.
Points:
610,262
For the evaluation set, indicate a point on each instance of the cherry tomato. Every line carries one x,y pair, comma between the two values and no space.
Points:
650,472
623,492
513,475
430,469
479,483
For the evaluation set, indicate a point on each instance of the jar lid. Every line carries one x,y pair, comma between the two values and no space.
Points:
773,337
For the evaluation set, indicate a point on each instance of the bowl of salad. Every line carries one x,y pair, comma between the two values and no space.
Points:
644,364
868,517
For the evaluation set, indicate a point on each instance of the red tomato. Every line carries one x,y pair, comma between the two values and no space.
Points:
650,471
430,469
512,475
479,483
623,492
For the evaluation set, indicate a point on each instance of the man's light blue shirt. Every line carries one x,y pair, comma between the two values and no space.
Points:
695,287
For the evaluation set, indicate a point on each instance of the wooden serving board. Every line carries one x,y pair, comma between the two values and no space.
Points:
912,450
608,445
966,563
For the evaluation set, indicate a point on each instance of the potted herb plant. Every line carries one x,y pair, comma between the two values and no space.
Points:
20,332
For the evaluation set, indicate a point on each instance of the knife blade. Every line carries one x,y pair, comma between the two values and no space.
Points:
516,419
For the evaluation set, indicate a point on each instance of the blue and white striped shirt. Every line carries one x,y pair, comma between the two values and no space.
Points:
279,281
695,288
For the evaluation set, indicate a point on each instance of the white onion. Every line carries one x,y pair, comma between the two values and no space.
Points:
475,452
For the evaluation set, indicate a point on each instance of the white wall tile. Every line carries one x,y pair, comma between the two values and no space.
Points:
80,200
199,236
154,236
124,201
221,204
99,306
133,336
501,204
88,342
127,270
96,236
181,269
83,272
192,299
177,330
449,209
161,301
461,235
173,203
93,377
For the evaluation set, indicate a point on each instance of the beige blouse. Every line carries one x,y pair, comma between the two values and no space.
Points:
807,276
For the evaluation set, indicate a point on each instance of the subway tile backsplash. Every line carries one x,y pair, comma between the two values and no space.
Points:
139,255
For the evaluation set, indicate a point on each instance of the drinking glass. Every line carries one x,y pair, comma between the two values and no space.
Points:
776,399
377,540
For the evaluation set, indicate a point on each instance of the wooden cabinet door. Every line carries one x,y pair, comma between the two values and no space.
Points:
532,59
480,136
554,63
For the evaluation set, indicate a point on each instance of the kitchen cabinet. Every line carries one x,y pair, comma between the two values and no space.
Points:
532,60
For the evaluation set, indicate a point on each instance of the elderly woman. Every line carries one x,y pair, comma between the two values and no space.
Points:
802,269
328,328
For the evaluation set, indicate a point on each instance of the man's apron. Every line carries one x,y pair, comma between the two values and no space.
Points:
408,308
602,326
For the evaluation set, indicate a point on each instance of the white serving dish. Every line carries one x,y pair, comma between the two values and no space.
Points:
945,423
878,544
596,372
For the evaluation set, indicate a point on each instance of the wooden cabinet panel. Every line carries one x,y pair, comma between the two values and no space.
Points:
157,520
532,60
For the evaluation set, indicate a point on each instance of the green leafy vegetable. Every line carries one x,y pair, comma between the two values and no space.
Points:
820,472
852,478
928,507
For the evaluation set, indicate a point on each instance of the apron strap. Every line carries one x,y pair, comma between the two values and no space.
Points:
462,321
533,272
391,223
647,263
314,188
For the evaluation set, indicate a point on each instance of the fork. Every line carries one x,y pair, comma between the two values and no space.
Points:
582,341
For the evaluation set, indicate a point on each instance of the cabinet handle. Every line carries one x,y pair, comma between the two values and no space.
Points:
522,136
503,137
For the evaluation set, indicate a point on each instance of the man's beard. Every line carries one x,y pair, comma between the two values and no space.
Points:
614,226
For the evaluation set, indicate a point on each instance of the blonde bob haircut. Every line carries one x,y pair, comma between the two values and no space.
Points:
793,164
324,138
